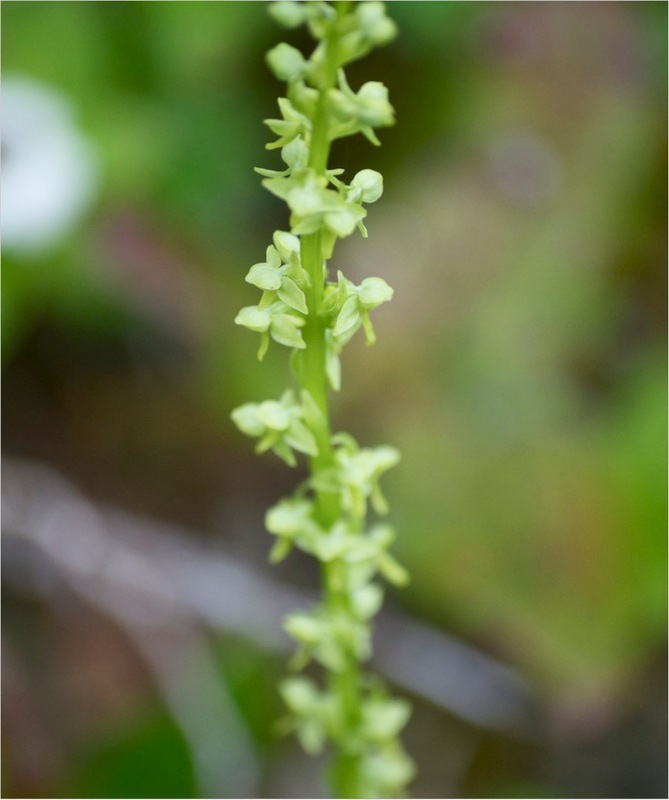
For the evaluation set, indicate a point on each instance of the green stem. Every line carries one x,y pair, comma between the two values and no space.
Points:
345,684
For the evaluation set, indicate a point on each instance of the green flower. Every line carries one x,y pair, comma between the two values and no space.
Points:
351,306
311,709
386,771
366,187
279,426
295,154
330,637
314,207
383,718
368,27
362,111
289,14
356,474
275,321
372,551
326,516
287,63
376,26
292,124
292,522
279,279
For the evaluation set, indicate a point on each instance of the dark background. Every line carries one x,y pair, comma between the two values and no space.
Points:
520,369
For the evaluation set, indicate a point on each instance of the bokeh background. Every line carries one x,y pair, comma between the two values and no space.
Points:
521,370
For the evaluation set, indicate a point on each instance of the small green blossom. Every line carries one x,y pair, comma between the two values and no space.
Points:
330,638
278,425
369,28
310,708
292,124
349,305
366,186
362,111
356,475
384,718
280,280
315,318
375,24
287,63
289,14
275,321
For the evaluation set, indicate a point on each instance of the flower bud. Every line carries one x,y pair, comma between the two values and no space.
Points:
373,292
286,62
370,183
289,14
373,107
376,26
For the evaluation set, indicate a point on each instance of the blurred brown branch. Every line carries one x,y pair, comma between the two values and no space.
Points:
162,586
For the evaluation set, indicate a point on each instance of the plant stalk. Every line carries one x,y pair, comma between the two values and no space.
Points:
346,684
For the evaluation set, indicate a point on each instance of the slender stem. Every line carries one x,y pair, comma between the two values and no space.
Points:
346,684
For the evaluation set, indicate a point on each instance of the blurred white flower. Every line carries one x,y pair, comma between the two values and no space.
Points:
49,169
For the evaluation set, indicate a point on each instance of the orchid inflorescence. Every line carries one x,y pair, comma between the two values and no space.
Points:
302,309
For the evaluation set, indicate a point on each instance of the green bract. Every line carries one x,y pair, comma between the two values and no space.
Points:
315,317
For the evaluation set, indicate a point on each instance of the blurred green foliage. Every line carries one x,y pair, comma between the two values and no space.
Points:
146,759
521,368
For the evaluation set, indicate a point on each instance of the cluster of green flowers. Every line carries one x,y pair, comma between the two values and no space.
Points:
315,317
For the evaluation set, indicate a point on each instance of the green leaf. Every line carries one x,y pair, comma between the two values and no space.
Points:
253,318
246,419
292,295
264,277
285,332
349,317
284,452
283,128
274,415
301,438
